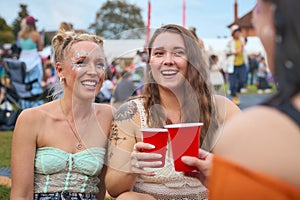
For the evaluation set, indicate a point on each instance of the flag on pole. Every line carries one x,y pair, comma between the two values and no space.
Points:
148,23
183,13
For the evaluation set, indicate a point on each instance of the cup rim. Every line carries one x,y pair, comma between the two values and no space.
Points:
154,129
180,125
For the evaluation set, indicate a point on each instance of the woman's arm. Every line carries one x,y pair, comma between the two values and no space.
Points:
122,138
101,184
23,154
135,196
38,39
226,108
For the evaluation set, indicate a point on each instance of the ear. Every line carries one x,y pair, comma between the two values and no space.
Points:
59,69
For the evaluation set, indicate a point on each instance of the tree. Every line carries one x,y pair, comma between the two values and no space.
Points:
117,19
6,35
17,22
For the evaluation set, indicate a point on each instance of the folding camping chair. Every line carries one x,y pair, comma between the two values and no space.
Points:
16,71
10,107
16,88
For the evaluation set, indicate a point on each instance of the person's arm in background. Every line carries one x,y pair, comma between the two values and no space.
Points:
38,39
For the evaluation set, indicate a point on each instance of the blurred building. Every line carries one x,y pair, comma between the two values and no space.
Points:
243,22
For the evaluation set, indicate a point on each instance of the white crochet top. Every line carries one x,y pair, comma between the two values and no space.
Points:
167,183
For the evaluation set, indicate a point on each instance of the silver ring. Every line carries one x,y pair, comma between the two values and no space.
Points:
137,164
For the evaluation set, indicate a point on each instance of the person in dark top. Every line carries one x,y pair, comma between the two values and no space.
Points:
124,89
265,139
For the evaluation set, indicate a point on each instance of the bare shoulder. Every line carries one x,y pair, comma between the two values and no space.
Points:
127,119
245,125
30,115
254,123
38,115
105,109
36,34
127,111
225,107
261,133
30,121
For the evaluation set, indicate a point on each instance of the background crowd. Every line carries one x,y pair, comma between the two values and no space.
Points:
129,73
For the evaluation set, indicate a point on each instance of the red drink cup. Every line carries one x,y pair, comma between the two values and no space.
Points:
185,141
159,138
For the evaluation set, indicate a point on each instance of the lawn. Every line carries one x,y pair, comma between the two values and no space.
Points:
251,89
5,152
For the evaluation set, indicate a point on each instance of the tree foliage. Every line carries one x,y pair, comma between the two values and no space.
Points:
6,35
117,19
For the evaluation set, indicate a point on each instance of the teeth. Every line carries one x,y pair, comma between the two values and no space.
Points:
169,72
89,83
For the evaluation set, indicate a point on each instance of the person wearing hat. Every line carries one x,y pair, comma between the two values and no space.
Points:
31,43
236,63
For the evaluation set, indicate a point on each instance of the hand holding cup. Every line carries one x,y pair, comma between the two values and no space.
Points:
141,159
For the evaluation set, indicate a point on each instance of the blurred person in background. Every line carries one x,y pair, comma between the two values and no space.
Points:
31,43
235,52
123,90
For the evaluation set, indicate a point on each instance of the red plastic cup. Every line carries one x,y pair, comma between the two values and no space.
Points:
185,141
159,138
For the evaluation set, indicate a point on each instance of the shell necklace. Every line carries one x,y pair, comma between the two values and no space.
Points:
79,145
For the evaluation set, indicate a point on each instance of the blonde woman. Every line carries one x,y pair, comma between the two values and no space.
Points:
58,148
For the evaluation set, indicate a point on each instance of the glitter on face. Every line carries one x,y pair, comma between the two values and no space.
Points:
81,60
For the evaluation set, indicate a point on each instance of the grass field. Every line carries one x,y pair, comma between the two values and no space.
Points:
251,89
5,152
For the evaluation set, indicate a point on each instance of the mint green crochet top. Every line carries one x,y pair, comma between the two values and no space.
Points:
56,170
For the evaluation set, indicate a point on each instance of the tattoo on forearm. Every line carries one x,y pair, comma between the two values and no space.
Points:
125,112
114,137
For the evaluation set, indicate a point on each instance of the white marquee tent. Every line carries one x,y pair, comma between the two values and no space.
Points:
127,48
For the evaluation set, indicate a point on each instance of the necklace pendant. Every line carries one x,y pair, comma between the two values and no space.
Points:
79,146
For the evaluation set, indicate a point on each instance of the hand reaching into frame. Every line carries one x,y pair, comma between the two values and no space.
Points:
203,164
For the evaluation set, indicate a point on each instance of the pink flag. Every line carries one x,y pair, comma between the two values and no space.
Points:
148,22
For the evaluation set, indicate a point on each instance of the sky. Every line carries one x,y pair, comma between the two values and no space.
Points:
210,17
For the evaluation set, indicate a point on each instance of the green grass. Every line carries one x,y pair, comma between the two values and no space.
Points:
251,89
5,155
5,148
4,193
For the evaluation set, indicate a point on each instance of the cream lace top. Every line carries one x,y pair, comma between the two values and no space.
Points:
167,183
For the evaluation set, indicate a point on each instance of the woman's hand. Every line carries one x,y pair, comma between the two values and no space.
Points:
141,160
203,164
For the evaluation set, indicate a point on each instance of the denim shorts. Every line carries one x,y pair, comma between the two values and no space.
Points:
64,196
